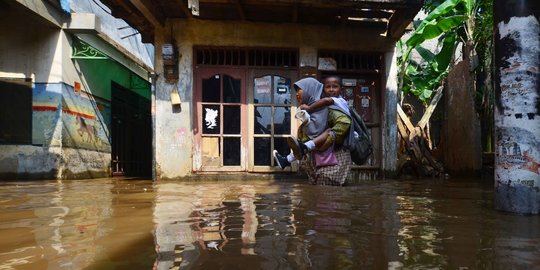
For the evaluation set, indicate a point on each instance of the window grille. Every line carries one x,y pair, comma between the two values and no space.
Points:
251,57
354,60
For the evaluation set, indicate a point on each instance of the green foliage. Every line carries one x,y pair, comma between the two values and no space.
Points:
452,21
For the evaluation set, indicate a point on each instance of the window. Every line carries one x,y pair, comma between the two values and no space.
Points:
221,120
15,111
272,119
252,57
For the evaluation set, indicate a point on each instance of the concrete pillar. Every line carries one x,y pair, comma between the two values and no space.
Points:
517,112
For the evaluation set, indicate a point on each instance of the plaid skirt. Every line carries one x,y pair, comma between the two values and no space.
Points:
335,175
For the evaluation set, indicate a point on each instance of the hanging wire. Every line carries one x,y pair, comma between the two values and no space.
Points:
136,32
100,6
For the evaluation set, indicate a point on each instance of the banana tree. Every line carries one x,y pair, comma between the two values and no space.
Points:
451,22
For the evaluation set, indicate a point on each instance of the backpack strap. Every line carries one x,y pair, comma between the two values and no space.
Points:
358,122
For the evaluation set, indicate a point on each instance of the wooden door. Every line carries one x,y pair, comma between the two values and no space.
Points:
271,116
221,133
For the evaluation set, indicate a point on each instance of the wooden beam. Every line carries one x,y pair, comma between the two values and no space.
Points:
431,108
295,12
402,131
372,13
183,7
150,11
240,9
400,20
405,119
344,14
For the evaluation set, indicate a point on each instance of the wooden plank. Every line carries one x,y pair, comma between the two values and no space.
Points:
431,108
183,7
405,119
427,135
240,10
150,11
400,20
295,13
402,131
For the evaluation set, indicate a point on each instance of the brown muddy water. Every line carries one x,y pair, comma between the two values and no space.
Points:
138,224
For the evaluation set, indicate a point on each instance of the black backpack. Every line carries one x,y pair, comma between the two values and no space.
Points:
362,147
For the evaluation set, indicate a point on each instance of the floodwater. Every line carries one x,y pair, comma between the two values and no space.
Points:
138,224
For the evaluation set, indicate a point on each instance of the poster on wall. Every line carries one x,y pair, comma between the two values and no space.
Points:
327,63
263,85
517,124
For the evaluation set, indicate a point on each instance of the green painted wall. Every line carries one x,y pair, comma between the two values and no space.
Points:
100,72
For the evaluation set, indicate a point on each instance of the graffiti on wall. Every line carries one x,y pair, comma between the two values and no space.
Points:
518,113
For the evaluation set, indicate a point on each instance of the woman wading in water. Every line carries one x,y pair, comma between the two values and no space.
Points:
322,142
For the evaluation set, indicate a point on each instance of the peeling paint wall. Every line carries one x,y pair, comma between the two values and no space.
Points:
30,162
174,128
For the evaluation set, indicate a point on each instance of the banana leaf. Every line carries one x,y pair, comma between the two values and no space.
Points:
433,29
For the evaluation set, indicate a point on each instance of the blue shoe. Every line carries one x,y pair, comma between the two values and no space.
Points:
298,148
281,161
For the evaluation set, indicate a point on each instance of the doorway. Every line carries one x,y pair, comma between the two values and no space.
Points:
221,106
131,132
242,107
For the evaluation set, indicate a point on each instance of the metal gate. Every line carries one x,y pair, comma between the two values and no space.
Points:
131,133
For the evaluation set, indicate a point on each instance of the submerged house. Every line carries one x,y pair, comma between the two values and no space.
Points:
223,99
74,92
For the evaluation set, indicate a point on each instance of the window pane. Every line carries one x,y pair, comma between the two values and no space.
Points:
231,89
211,119
263,120
231,120
282,91
262,151
280,144
210,151
262,90
210,89
282,120
231,151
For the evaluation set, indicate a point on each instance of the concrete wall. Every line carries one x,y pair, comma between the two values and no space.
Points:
30,48
116,29
173,129
70,136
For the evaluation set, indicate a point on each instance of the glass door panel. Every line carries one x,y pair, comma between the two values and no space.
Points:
231,116
271,125
221,113
282,120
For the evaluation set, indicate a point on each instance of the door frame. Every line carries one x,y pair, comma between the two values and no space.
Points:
206,72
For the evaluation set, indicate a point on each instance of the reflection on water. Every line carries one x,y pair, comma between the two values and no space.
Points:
127,224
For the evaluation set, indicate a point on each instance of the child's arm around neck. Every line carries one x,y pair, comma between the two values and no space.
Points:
317,105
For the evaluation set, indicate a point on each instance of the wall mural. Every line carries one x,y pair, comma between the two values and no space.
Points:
83,123
46,108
